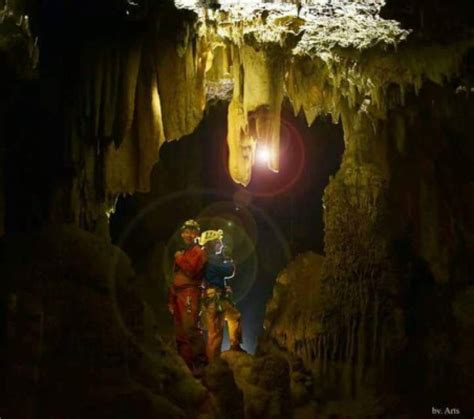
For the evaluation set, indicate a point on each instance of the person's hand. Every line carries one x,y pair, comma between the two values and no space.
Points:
171,309
228,289
178,254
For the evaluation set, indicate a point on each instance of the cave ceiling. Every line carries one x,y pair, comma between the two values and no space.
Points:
325,56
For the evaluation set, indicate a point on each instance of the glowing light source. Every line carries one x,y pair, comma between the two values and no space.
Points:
263,154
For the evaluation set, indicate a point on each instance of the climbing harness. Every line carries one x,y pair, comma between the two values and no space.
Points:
188,304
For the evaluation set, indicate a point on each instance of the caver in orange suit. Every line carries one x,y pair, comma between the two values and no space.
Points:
184,298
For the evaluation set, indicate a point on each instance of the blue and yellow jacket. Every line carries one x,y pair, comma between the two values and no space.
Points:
218,270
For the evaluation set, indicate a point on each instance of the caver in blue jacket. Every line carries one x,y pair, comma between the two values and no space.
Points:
218,270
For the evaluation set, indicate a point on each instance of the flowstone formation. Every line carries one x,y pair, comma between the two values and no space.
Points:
135,91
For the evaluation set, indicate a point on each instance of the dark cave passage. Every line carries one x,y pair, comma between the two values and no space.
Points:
278,216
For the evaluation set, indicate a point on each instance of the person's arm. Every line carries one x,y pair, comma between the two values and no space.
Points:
231,270
228,270
191,262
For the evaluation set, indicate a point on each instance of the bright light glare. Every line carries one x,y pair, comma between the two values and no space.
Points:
263,154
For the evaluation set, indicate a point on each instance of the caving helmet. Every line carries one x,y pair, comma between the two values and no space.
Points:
191,225
210,235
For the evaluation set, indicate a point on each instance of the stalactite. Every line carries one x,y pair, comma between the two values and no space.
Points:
325,354
263,96
219,63
307,352
375,329
353,341
348,341
149,121
319,362
181,84
361,351
97,90
111,91
130,64
121,166
241,145
254,113
383,350
335,345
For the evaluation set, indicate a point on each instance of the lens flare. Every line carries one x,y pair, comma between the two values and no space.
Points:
263,154
242,198
265,183
239,226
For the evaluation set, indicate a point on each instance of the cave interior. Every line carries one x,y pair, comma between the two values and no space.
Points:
330,140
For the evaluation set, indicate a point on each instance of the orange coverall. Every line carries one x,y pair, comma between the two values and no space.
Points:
184,303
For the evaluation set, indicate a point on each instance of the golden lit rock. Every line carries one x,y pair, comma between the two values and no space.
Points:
180,76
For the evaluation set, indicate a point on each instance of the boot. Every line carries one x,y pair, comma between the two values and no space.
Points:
237,348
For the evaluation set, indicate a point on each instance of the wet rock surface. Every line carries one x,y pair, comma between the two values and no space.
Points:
264,381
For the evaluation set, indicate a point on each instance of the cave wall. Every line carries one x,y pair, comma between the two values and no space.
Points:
112,85
76,337
387,330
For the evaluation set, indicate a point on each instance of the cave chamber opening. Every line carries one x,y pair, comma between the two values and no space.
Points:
278,215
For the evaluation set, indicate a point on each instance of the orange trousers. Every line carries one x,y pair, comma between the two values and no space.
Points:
218,310
184,304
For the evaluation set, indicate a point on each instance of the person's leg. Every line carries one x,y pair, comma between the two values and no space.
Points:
179,317
188,335
215,326
194,332
232,315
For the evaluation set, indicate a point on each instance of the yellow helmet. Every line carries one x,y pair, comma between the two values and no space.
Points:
210,235
192,225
